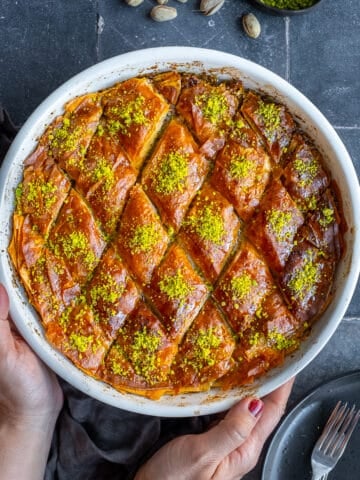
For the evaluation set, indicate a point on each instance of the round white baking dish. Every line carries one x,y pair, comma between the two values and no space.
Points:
254,76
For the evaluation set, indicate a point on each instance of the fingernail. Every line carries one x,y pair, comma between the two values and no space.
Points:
255,407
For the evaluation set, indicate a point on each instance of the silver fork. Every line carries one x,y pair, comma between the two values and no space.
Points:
333,440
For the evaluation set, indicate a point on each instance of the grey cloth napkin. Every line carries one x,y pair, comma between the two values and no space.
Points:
94,441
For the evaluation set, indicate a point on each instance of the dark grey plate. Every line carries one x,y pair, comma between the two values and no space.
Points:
289,453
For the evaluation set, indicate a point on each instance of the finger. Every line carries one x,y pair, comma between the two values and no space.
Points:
4,303
5,335
234,429
244,459
274,408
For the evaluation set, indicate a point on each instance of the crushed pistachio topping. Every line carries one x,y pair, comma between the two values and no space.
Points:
81,342
311,202
75,246
172,173
175,286
18,196
144,238
205,341
214,106
328,216
40,194
279,341
106,291
118,363
255,339
103,172
270,114
143,353
126,115
307,170
100,130
208,224
240,166
241,286
305,277
65,138
289,4
280,223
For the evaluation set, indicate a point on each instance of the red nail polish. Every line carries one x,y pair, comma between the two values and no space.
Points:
255,407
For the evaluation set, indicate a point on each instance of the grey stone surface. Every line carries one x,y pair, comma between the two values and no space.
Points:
45,42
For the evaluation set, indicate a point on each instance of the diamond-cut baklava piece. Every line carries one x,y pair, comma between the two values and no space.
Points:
41,194
205,353
45,278
304,176
141,357
208,109
169,85
174,173
177,292
241,175
243,287
134,113
141,240
323,227
111,293
271,120
306,281
76,238
210,231
106,180
70,135
273,228
79,336
278,323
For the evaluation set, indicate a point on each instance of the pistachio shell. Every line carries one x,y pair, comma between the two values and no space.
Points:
251,25
209,7
162,2
162,13
134,3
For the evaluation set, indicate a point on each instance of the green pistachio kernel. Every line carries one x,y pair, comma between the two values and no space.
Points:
241,286
240,167
214,106
144,238
280,223
172,173
304,278
270,113
208,224
175,286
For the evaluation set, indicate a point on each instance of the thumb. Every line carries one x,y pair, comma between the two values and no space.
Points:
4,322
4,303
235,428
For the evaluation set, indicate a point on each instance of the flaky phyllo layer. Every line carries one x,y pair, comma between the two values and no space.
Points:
175,233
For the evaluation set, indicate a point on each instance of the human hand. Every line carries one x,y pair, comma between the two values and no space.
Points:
225,452
30,394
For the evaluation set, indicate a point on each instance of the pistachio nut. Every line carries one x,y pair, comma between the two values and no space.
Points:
162,13
162,2
134,3
209,7
251,25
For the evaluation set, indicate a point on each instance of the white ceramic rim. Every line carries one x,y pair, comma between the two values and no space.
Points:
310,119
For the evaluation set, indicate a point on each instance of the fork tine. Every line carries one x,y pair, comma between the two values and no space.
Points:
339,434
332,422
354,420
